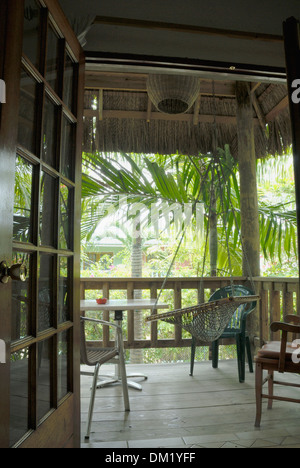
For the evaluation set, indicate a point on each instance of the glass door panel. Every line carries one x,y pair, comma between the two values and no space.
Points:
19,402
21,299
63,364
48,214
27,136
50,132
69,82
23,200
52,61
65,276
31,36
45,292
68,147
66,203
44,378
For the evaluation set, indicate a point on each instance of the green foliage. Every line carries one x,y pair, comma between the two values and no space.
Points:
165,180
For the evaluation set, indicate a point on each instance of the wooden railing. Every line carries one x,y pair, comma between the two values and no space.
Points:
278,297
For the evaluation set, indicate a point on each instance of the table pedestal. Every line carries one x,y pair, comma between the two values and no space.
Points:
116,378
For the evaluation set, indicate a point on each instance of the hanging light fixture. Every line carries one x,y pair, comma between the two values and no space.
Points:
173,94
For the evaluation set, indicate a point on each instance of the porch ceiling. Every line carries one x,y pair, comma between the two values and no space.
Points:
126,119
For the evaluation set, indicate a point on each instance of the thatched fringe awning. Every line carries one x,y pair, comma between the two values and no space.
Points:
127,121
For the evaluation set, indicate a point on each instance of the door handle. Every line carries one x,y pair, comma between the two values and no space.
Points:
17,272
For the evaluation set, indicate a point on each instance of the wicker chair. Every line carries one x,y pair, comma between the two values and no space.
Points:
95,357
277,356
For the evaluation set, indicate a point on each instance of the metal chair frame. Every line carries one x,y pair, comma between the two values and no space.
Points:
95,357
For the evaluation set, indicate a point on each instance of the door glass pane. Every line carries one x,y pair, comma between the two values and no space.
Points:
67,148
62,364
21,300
19,366
44,378
23,203
31,35
50,121
45,296
64,289
27,112
65,199
48,210
69,82
52,59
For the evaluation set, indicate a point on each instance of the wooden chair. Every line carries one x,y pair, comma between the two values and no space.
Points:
277,356
95,357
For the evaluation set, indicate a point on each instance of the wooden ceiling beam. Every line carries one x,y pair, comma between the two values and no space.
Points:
277,109
120,82
186,28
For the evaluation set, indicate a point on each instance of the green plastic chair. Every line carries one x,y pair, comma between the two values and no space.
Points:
236,328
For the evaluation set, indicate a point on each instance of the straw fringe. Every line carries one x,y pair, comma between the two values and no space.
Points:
172,136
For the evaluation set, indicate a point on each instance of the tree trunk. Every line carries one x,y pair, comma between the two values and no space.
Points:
136,355
248,185
213,233
248,191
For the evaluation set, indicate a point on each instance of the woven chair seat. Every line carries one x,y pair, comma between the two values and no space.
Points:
100,355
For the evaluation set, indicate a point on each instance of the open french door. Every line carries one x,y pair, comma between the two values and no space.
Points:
291,34
42,66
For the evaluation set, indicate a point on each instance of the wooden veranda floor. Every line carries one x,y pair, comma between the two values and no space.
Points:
211,409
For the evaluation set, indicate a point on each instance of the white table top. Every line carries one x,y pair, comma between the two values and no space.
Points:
122,304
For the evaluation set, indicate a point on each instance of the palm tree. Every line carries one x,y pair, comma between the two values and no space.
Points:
164,180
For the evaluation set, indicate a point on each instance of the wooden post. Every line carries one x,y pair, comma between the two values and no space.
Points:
248,191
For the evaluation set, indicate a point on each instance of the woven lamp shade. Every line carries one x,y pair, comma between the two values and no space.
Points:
172,94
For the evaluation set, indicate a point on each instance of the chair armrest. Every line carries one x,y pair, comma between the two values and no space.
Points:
292,319
285,327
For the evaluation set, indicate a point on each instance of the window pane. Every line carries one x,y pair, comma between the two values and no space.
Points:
64,289
67,149
27,112
45,296
50,132
52,59
44,378
65,199
62,364
21,300
69,82
23,203
48,216
31,35
18,395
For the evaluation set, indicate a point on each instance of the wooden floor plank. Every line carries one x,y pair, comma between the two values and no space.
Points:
209,409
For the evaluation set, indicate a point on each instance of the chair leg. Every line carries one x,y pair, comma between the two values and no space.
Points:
123,376
193,352
92,401
240,348
249,355
258,392
270,388
215,353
